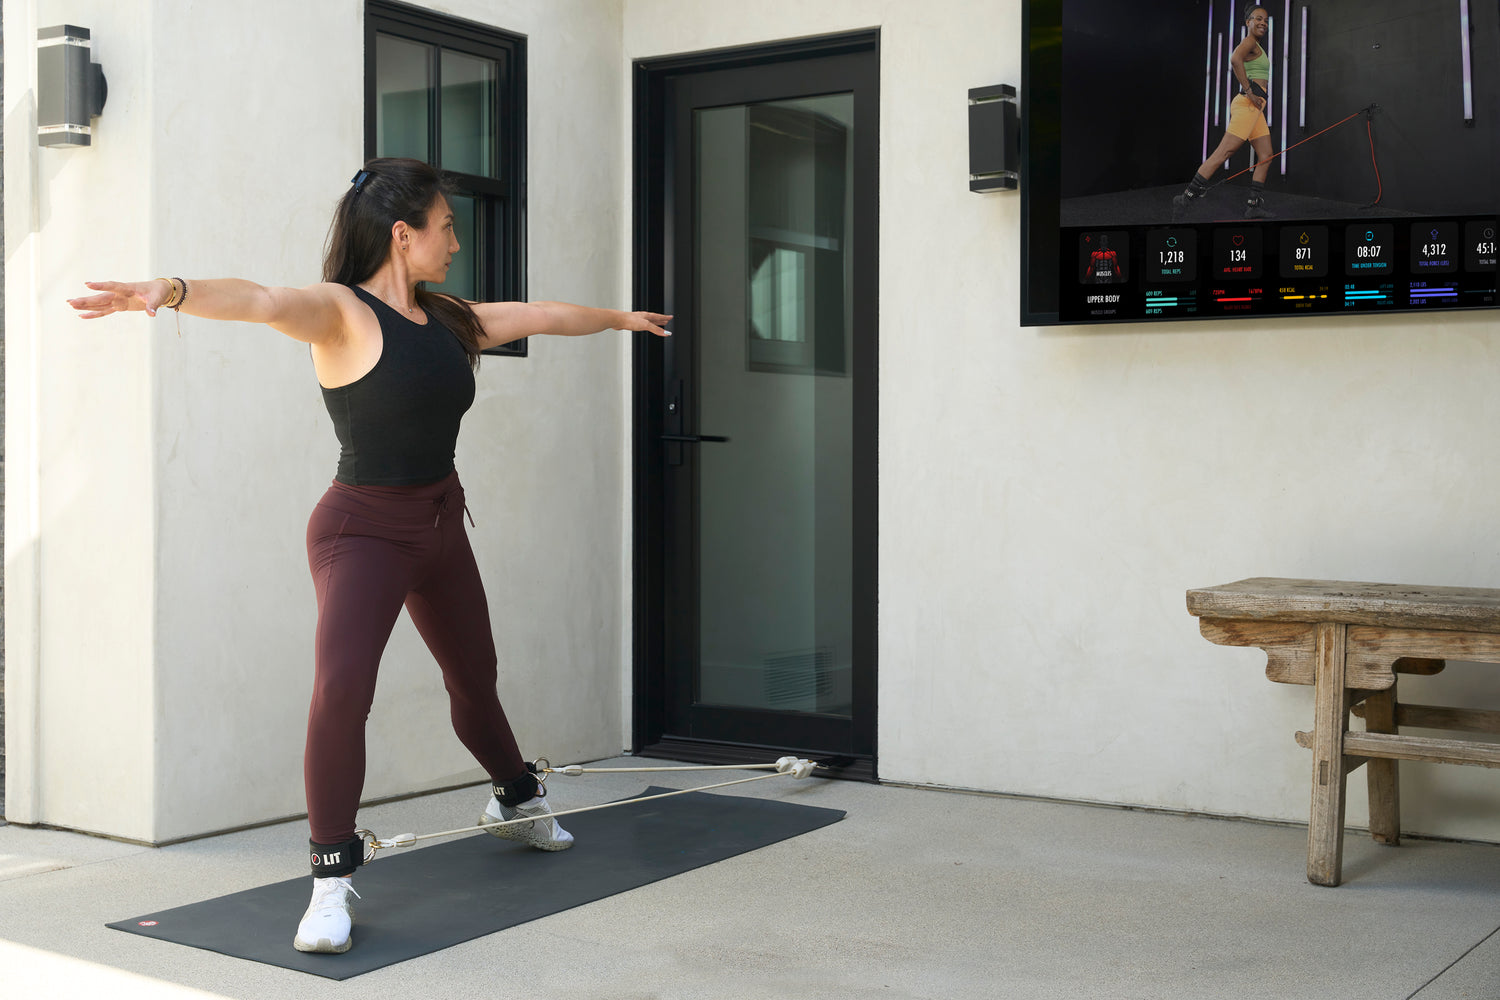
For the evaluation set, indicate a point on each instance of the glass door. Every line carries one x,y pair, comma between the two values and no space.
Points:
767,431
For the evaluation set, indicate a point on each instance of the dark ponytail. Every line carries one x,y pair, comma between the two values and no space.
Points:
359,240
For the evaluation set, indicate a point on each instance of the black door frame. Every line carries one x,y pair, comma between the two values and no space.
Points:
654,217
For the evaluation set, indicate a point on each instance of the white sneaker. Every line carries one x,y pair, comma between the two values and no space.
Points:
542,833
326,924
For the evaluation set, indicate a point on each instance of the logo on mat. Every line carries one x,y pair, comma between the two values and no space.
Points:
147,923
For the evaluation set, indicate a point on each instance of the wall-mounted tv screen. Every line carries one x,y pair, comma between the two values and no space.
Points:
1216,158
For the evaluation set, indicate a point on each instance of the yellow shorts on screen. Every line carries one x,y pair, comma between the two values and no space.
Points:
1246,120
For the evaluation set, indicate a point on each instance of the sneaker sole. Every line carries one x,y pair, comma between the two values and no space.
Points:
323,946
510,833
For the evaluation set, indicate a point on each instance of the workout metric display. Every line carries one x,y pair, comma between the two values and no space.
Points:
1164,302
1369,250
1481,277
1171,255
1434,248
1304,251
1237,253
1358,295
1276,267
1104,258
1479,246
1233,299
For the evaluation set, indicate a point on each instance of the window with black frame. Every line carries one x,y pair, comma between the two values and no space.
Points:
453,93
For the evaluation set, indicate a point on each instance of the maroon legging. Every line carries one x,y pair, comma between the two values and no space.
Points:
371,550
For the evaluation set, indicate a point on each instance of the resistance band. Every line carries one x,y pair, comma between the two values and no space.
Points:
1379,184
797,767
1368,112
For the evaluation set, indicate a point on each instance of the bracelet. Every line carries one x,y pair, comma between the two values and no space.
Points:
172,297
176,298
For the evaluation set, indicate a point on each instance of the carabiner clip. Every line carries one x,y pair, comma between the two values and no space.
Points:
372,845
541,767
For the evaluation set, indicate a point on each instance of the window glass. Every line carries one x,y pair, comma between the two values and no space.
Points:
463,276
468,115
403,83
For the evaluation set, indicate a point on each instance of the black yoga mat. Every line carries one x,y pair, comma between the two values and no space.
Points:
422,899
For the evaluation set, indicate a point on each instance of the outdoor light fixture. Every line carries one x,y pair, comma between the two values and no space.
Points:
70,88
994,139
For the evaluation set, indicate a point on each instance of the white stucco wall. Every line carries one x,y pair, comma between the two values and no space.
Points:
79,527
162,613
1047,496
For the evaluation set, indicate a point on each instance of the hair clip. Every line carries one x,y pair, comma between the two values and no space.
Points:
358,180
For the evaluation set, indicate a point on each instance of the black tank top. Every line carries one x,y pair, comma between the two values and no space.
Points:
398,425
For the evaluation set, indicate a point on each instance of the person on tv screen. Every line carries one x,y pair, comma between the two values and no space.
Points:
1247,120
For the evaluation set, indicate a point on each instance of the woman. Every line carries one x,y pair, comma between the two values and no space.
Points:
1247,120
396,365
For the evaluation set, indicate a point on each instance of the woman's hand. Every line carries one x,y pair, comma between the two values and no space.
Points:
122,296
647,321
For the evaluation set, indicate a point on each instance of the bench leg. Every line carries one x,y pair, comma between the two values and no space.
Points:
1325,832
1382,774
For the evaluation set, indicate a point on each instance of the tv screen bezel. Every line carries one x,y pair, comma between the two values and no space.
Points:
1042,279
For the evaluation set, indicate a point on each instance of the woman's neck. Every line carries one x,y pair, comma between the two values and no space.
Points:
393,289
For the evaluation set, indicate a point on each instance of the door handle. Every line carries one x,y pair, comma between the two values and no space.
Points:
692,438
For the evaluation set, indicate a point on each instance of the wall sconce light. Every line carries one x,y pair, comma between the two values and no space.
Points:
994,139
70,87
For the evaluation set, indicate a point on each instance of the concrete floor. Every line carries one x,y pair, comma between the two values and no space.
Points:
917,893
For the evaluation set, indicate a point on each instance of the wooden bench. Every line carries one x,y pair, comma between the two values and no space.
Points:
1351,640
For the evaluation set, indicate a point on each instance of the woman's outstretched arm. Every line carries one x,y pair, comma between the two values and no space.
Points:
313,315
505,322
